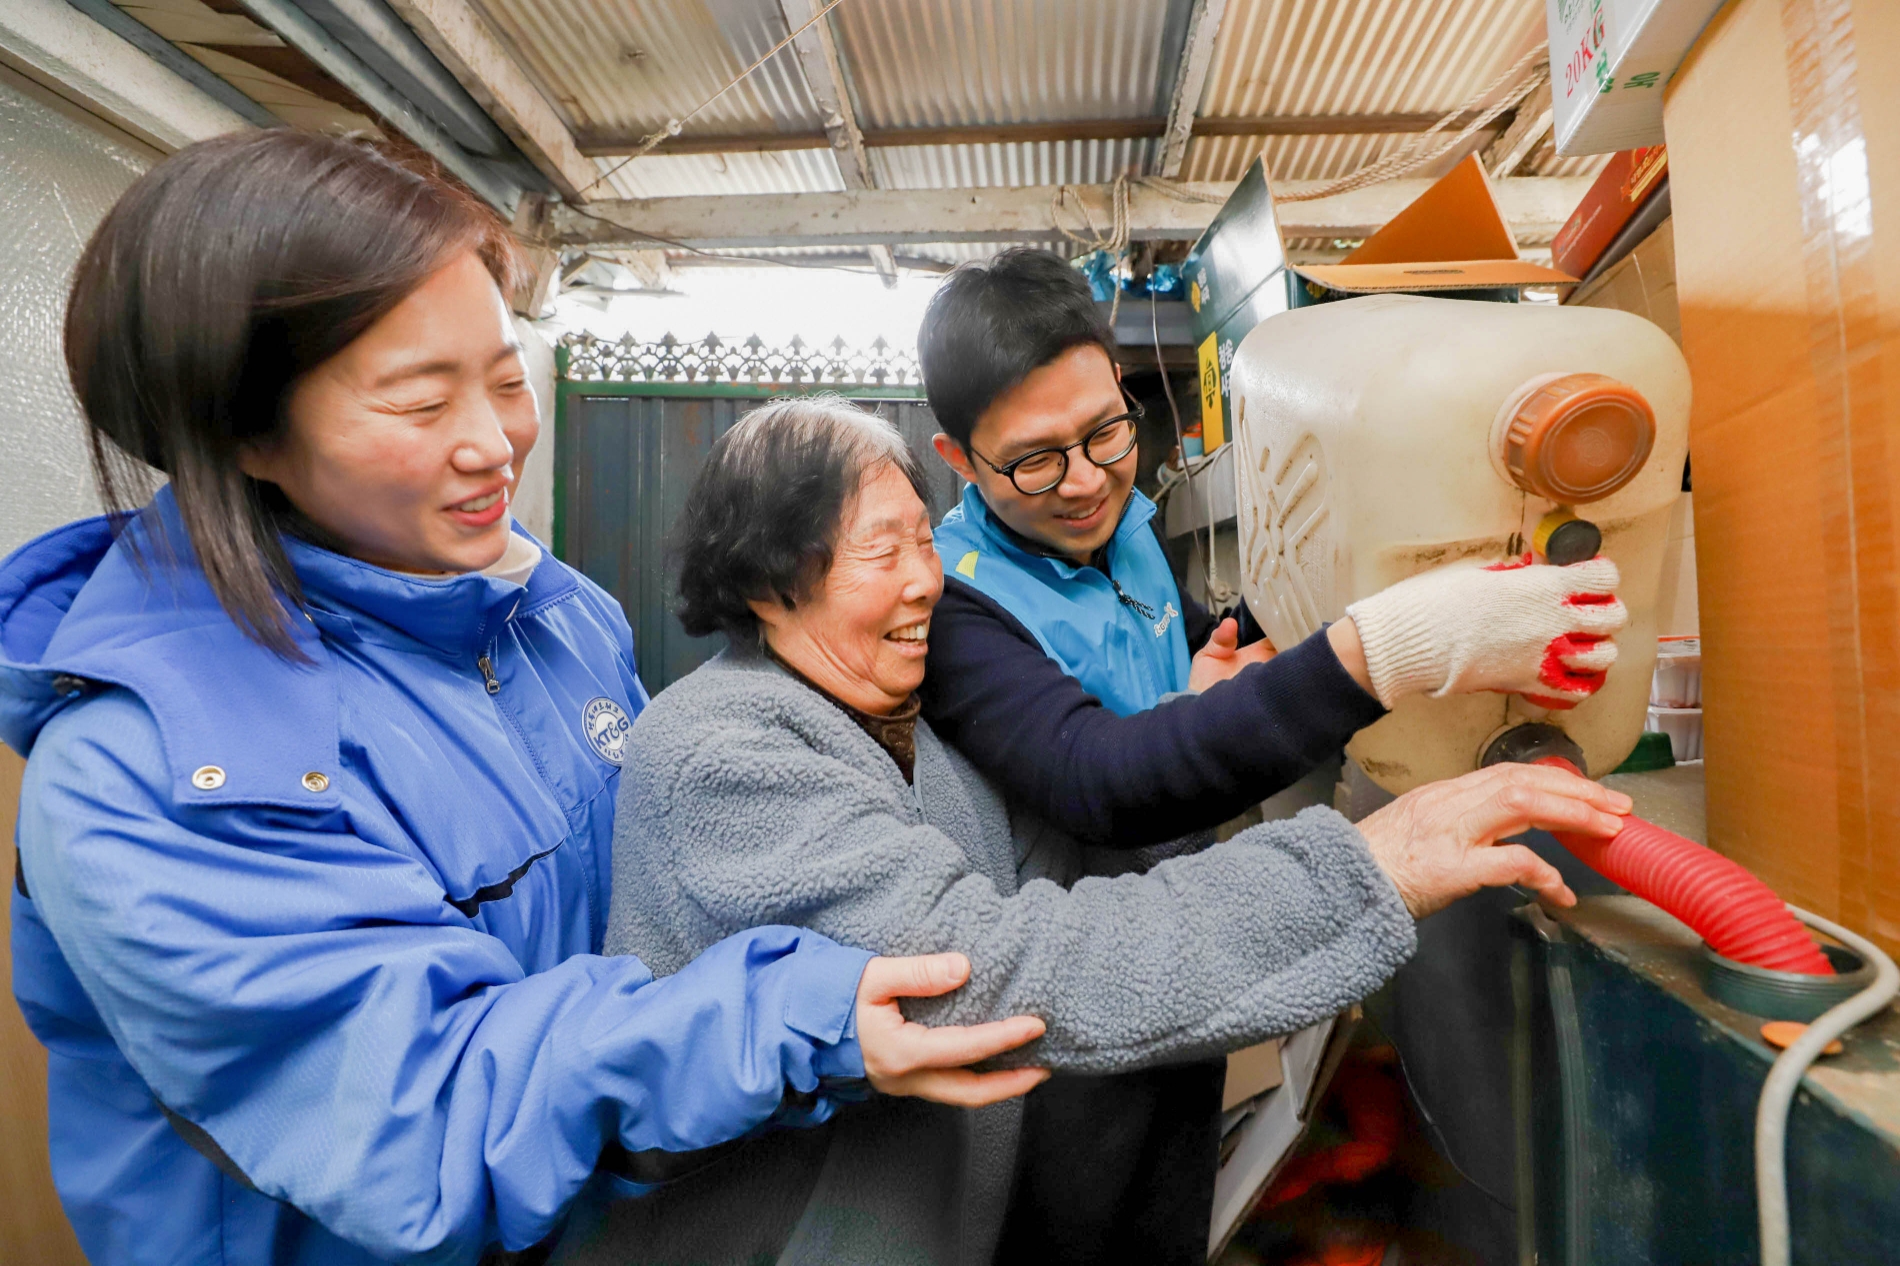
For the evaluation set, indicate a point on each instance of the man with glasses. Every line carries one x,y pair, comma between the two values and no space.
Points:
1066,664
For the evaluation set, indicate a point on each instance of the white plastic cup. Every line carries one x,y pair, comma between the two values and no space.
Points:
1677,681
1684,728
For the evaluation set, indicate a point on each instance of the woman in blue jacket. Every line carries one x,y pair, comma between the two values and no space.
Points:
323,757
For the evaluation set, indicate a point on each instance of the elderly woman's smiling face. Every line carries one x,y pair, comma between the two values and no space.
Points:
862,634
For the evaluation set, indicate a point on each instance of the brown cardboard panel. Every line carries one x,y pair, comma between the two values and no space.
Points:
1456,219
1432,275
1749,331
34,1228
1784,143
1452,237
1643,282
1251,1072
1766,727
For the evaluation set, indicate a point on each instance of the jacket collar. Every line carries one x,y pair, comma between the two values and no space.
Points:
1136,516
80,603
452,616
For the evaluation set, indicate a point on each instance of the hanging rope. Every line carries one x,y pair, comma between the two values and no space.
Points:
1410,157
1115,241
672,126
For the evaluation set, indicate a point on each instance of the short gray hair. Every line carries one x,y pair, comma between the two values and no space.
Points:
764,514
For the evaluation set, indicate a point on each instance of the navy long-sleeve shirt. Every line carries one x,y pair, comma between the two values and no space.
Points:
1128,782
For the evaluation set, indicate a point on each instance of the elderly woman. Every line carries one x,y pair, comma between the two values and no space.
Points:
790,780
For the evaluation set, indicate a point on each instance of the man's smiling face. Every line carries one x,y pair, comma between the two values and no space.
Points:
1057,404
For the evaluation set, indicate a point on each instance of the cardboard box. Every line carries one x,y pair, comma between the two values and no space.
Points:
1643,282
1251,1073
1784,152
35,1228
1451,238
1628,180
1609,63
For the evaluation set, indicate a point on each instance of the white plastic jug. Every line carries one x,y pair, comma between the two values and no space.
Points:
1383,436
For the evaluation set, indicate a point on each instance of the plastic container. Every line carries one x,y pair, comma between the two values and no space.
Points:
1684,728
1677,682
1386,435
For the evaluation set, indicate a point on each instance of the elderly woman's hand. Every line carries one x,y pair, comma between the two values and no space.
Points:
1440,842
903,1058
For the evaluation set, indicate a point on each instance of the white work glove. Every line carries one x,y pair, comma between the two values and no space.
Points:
1518,628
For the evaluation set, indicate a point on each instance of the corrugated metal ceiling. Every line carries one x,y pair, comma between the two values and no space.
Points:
1324,57
931,63
623,67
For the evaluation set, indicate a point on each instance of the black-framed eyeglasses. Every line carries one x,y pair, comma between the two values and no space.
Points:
1044,469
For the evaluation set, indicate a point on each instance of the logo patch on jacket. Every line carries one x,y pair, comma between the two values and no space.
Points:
605,724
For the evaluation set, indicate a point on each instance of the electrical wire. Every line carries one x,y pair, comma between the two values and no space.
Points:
1210,578
672,126
1777,1093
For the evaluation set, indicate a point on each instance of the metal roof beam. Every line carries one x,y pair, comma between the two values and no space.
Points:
1535,207
603,145
1196,59
176,60
462,41
305,34
71,55
824,74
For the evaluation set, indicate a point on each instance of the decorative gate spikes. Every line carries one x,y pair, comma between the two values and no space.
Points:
711,360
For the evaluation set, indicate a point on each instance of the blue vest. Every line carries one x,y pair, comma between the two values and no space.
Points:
1126,658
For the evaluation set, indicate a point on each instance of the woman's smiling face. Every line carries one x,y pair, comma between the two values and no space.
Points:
406,446
863,632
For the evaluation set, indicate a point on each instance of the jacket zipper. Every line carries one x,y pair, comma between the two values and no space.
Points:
486,664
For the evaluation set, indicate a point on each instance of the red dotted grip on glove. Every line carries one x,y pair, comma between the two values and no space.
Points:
1554,672
1737,914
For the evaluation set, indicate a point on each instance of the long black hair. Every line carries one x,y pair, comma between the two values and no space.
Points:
224,275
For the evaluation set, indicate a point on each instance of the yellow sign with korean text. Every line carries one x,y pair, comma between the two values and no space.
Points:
1213,430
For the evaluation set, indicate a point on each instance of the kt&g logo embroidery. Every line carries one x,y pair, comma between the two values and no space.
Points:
605,724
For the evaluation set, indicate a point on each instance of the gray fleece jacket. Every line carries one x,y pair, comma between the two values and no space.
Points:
749,799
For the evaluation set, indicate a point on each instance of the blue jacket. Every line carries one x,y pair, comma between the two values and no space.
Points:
313,949
1127,645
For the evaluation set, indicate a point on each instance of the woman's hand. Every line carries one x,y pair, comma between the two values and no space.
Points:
1439,842
902,1058
1223,656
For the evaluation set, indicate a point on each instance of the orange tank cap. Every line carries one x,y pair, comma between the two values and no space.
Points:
1578,438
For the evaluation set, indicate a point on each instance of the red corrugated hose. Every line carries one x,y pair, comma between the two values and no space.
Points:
1737,914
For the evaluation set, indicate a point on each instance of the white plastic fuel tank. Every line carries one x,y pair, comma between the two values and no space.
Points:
1383,436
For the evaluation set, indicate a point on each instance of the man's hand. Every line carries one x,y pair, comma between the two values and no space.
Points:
1223,656
902,1058
1440,842
1547,633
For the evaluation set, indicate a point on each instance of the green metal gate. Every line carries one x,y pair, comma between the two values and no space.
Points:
626,455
